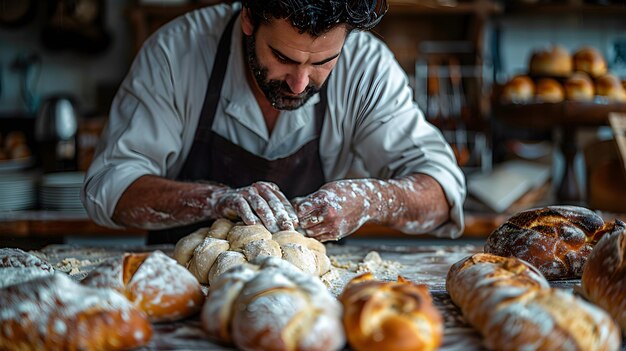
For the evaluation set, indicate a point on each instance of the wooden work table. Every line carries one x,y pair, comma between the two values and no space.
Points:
422,264
56,225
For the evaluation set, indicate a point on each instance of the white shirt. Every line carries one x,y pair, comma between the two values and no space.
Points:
372,126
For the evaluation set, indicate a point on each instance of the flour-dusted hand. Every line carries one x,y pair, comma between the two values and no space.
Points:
259,203
412,204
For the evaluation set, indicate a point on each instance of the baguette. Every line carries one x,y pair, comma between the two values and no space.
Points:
511,304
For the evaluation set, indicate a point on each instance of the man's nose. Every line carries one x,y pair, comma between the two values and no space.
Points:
298,80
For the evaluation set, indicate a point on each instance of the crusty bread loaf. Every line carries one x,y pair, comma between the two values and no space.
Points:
590,61
520,89
54,313
555,62
17,258
272,305
397,316
511,304
204,251
153,282
604,276
549,90
555,239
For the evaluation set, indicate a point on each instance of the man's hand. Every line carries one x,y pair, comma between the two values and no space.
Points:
261,202
339,208
413,204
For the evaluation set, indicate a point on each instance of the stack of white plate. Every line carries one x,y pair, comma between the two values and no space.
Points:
17,191
61,191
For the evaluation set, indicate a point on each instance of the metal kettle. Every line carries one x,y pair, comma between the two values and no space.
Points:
56,130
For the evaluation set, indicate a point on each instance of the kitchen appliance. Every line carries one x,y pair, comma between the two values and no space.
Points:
56,129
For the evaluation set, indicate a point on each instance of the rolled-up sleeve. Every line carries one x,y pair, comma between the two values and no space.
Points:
142,137
393,139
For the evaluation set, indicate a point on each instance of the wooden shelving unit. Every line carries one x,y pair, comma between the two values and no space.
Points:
568,8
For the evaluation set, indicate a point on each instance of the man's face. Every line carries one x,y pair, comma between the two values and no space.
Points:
290,67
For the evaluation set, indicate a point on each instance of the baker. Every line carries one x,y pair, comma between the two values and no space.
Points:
283,113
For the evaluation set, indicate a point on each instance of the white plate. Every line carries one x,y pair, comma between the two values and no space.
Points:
63,179
16,165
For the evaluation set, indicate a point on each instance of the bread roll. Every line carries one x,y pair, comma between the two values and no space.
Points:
604,276
55,313
520,89
609,86
549,90
153,282
202,252
397,316
513,307
273,306
590,61
556,62
555,239
579,88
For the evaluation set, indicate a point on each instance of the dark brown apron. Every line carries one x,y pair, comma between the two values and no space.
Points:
214,158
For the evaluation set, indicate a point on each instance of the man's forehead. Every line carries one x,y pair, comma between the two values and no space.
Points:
281,33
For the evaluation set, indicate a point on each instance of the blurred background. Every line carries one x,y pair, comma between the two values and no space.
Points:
531,94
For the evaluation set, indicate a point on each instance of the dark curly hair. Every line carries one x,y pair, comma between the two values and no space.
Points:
316,17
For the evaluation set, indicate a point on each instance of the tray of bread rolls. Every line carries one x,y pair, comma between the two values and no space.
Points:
546,279
561,87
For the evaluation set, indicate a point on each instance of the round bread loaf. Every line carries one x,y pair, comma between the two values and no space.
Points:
512,305
555,239
207,255
555,62
549,90
520,89
604,276
590,61
579,87
153,282
54,313
272,306
611,87
397,316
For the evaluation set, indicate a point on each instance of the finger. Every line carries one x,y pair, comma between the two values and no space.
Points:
291,212
283,219
245,212
320,233
263,211
311,220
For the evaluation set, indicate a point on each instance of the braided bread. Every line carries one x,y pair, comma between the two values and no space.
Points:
55,313
272,305
397,316
555,239
208,252
514,308
604,276
153,282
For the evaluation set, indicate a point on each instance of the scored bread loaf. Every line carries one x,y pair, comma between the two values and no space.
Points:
397,316
208,252
604,276
54,313
269,304
514,308
555,239
153,282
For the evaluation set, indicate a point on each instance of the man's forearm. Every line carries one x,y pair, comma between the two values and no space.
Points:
413,204
153,202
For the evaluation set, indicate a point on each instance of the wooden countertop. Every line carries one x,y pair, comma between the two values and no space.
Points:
55,224
422,264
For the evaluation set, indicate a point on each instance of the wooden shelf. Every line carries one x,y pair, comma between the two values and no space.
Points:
565,8
410,8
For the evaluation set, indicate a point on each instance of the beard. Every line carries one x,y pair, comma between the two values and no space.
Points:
277,92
